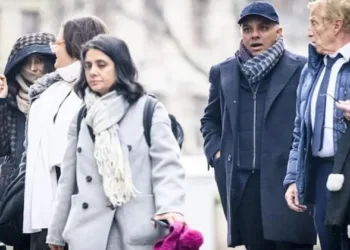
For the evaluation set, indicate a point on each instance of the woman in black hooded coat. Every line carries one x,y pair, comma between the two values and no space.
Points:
31,57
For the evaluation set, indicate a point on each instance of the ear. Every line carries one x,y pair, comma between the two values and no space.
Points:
279,31
338,26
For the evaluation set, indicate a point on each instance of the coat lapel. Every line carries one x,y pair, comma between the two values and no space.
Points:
230,86
309,85
283,72
343,151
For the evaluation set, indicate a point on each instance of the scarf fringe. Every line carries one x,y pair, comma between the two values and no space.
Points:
110,155
117,181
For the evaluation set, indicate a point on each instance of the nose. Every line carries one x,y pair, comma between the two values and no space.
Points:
310,33
255,33
33,67
93,70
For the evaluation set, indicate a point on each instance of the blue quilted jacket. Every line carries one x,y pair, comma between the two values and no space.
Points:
298,170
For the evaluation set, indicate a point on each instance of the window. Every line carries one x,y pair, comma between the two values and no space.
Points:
153,12
155,6
200,9
30,21
80,5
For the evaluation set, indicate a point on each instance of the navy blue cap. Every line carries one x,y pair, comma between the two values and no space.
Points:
259,8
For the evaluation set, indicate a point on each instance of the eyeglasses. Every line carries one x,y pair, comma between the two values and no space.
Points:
337,119
330,97
54,44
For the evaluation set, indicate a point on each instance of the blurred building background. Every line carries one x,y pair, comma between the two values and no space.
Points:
173,43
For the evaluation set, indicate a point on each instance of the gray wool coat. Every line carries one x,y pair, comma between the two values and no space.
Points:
83,217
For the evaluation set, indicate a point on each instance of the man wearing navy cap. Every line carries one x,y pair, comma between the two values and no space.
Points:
247,128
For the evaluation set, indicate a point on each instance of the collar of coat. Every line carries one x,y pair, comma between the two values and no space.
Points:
69,74
315,60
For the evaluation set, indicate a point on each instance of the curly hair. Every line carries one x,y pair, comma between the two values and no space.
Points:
334,9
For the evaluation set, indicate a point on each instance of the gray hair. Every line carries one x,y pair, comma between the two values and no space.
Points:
332,10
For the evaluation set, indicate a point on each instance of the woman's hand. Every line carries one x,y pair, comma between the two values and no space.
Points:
3,86
170,217
55,247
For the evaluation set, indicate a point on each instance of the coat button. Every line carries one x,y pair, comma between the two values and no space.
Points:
79,149
229,157
88,178
85,205
129,147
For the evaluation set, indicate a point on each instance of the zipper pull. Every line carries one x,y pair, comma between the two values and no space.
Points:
254,96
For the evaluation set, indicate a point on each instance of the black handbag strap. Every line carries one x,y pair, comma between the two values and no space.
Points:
148,111
81,115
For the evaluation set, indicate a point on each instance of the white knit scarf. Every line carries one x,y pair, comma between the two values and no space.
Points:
25,78
103,115
22,96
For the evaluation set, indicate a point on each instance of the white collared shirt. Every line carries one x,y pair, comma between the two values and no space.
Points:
328,142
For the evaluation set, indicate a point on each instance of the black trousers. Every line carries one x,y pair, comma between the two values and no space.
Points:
38,241
14,248
330,238
250,221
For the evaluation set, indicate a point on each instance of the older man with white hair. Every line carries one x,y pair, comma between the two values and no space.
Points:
319,122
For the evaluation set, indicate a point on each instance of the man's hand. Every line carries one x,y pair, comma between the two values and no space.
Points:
217,155
344,106
3,86
291,197
170,217
55,247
